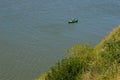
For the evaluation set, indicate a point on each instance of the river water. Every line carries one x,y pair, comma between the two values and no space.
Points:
34,34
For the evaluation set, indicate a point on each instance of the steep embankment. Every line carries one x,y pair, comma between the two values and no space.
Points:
101,62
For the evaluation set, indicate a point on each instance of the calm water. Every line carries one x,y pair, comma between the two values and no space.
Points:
34,34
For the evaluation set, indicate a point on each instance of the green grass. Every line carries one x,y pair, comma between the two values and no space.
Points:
84,62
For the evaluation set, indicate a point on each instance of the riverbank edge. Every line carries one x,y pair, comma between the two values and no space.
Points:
113,37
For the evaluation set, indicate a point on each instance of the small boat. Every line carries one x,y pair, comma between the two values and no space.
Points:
73,21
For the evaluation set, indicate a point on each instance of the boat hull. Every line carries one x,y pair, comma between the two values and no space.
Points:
74,21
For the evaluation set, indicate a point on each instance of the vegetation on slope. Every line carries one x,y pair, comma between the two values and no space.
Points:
101,62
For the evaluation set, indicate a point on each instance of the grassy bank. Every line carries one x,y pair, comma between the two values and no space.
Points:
84,62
